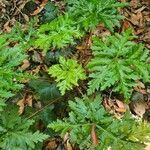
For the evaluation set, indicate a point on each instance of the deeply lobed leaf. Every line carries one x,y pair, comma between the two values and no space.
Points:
15,133
10,58
118,62
90,13
57,34
111,132
67,74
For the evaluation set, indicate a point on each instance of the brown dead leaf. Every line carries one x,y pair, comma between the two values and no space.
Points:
26,17
51,145
120,106
126,24
137,19
139,31
115,107
140,87
102,31
66,137
134,3
36,70
7,28
68,146
108,104
140,9
29,100
25,64
40,8
121,110
94,136
23,102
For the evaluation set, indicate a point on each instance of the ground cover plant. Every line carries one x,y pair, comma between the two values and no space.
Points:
73,75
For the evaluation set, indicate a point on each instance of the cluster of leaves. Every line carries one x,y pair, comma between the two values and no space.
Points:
12,54
93,12
10,58
119,134
68,72
15,133
118,63
64,29
57,34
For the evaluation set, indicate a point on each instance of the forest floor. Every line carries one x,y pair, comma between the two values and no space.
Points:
137,17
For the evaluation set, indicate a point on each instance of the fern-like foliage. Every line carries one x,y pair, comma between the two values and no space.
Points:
57,34
15,133
117,134
68,72
118,62
10,58
90,13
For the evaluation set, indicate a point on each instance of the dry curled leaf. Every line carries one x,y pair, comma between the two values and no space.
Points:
25,64
140,88
68,146
94,136
137,19
51,145
29,100
107,103
23,102
120,106
21,106
40,8
7,28
66,137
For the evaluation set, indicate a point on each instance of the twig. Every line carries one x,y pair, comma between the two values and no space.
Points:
35,113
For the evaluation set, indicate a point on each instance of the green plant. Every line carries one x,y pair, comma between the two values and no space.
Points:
117,134
118,63
57,34
68,72
90,13
22,36
10,76
15,133
44,89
